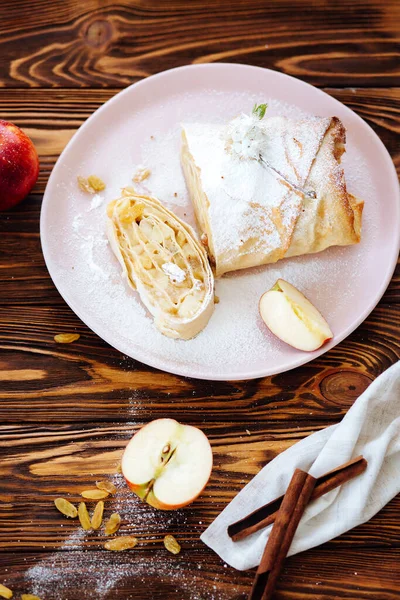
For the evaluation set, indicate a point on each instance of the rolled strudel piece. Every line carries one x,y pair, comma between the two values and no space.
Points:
163,261
277,190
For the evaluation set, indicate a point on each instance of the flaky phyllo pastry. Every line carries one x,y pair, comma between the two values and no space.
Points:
163,261
282,194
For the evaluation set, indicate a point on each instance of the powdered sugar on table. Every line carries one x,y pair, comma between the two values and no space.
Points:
59,575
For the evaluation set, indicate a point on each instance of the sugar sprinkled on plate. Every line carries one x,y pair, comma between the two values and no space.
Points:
235,336
96,201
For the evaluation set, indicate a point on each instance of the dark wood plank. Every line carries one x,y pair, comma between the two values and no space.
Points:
46,462
48,382
319,574
67,411
94,44
43,463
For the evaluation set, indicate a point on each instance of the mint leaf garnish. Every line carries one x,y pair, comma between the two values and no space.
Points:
259,110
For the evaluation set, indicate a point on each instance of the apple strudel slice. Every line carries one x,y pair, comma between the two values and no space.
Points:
163,261
266,189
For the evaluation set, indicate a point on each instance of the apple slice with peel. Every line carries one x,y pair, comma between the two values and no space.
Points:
167,464
292,318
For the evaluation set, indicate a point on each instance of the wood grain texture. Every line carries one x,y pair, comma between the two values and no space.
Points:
53,461
109,44
69,383
66,412
152,574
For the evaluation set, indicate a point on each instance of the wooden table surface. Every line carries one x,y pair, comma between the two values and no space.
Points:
66,412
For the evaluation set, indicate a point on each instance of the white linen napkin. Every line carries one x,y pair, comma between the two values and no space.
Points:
372,428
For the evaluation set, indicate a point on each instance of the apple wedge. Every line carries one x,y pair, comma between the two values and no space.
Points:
167,464
292,318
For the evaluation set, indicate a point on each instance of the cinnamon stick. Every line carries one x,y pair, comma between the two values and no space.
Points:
265,515
290,512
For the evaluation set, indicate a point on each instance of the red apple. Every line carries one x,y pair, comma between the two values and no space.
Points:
167,464
19,165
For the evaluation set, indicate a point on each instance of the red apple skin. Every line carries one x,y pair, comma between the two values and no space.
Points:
19,165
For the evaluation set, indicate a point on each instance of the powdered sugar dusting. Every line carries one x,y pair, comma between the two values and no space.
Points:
63,575
245,137
245,195
235,340
69,570
96,201
175,273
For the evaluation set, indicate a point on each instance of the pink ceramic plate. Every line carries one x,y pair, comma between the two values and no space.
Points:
141,125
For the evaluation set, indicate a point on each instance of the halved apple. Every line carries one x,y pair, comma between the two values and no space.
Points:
292,318
167,464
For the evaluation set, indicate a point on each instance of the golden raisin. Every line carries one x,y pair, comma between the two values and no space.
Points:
66,508
84,516
125,542
91,185
106,486
113,524
94,494
96,183
84,185
98,515
171,544
66,338
5,592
